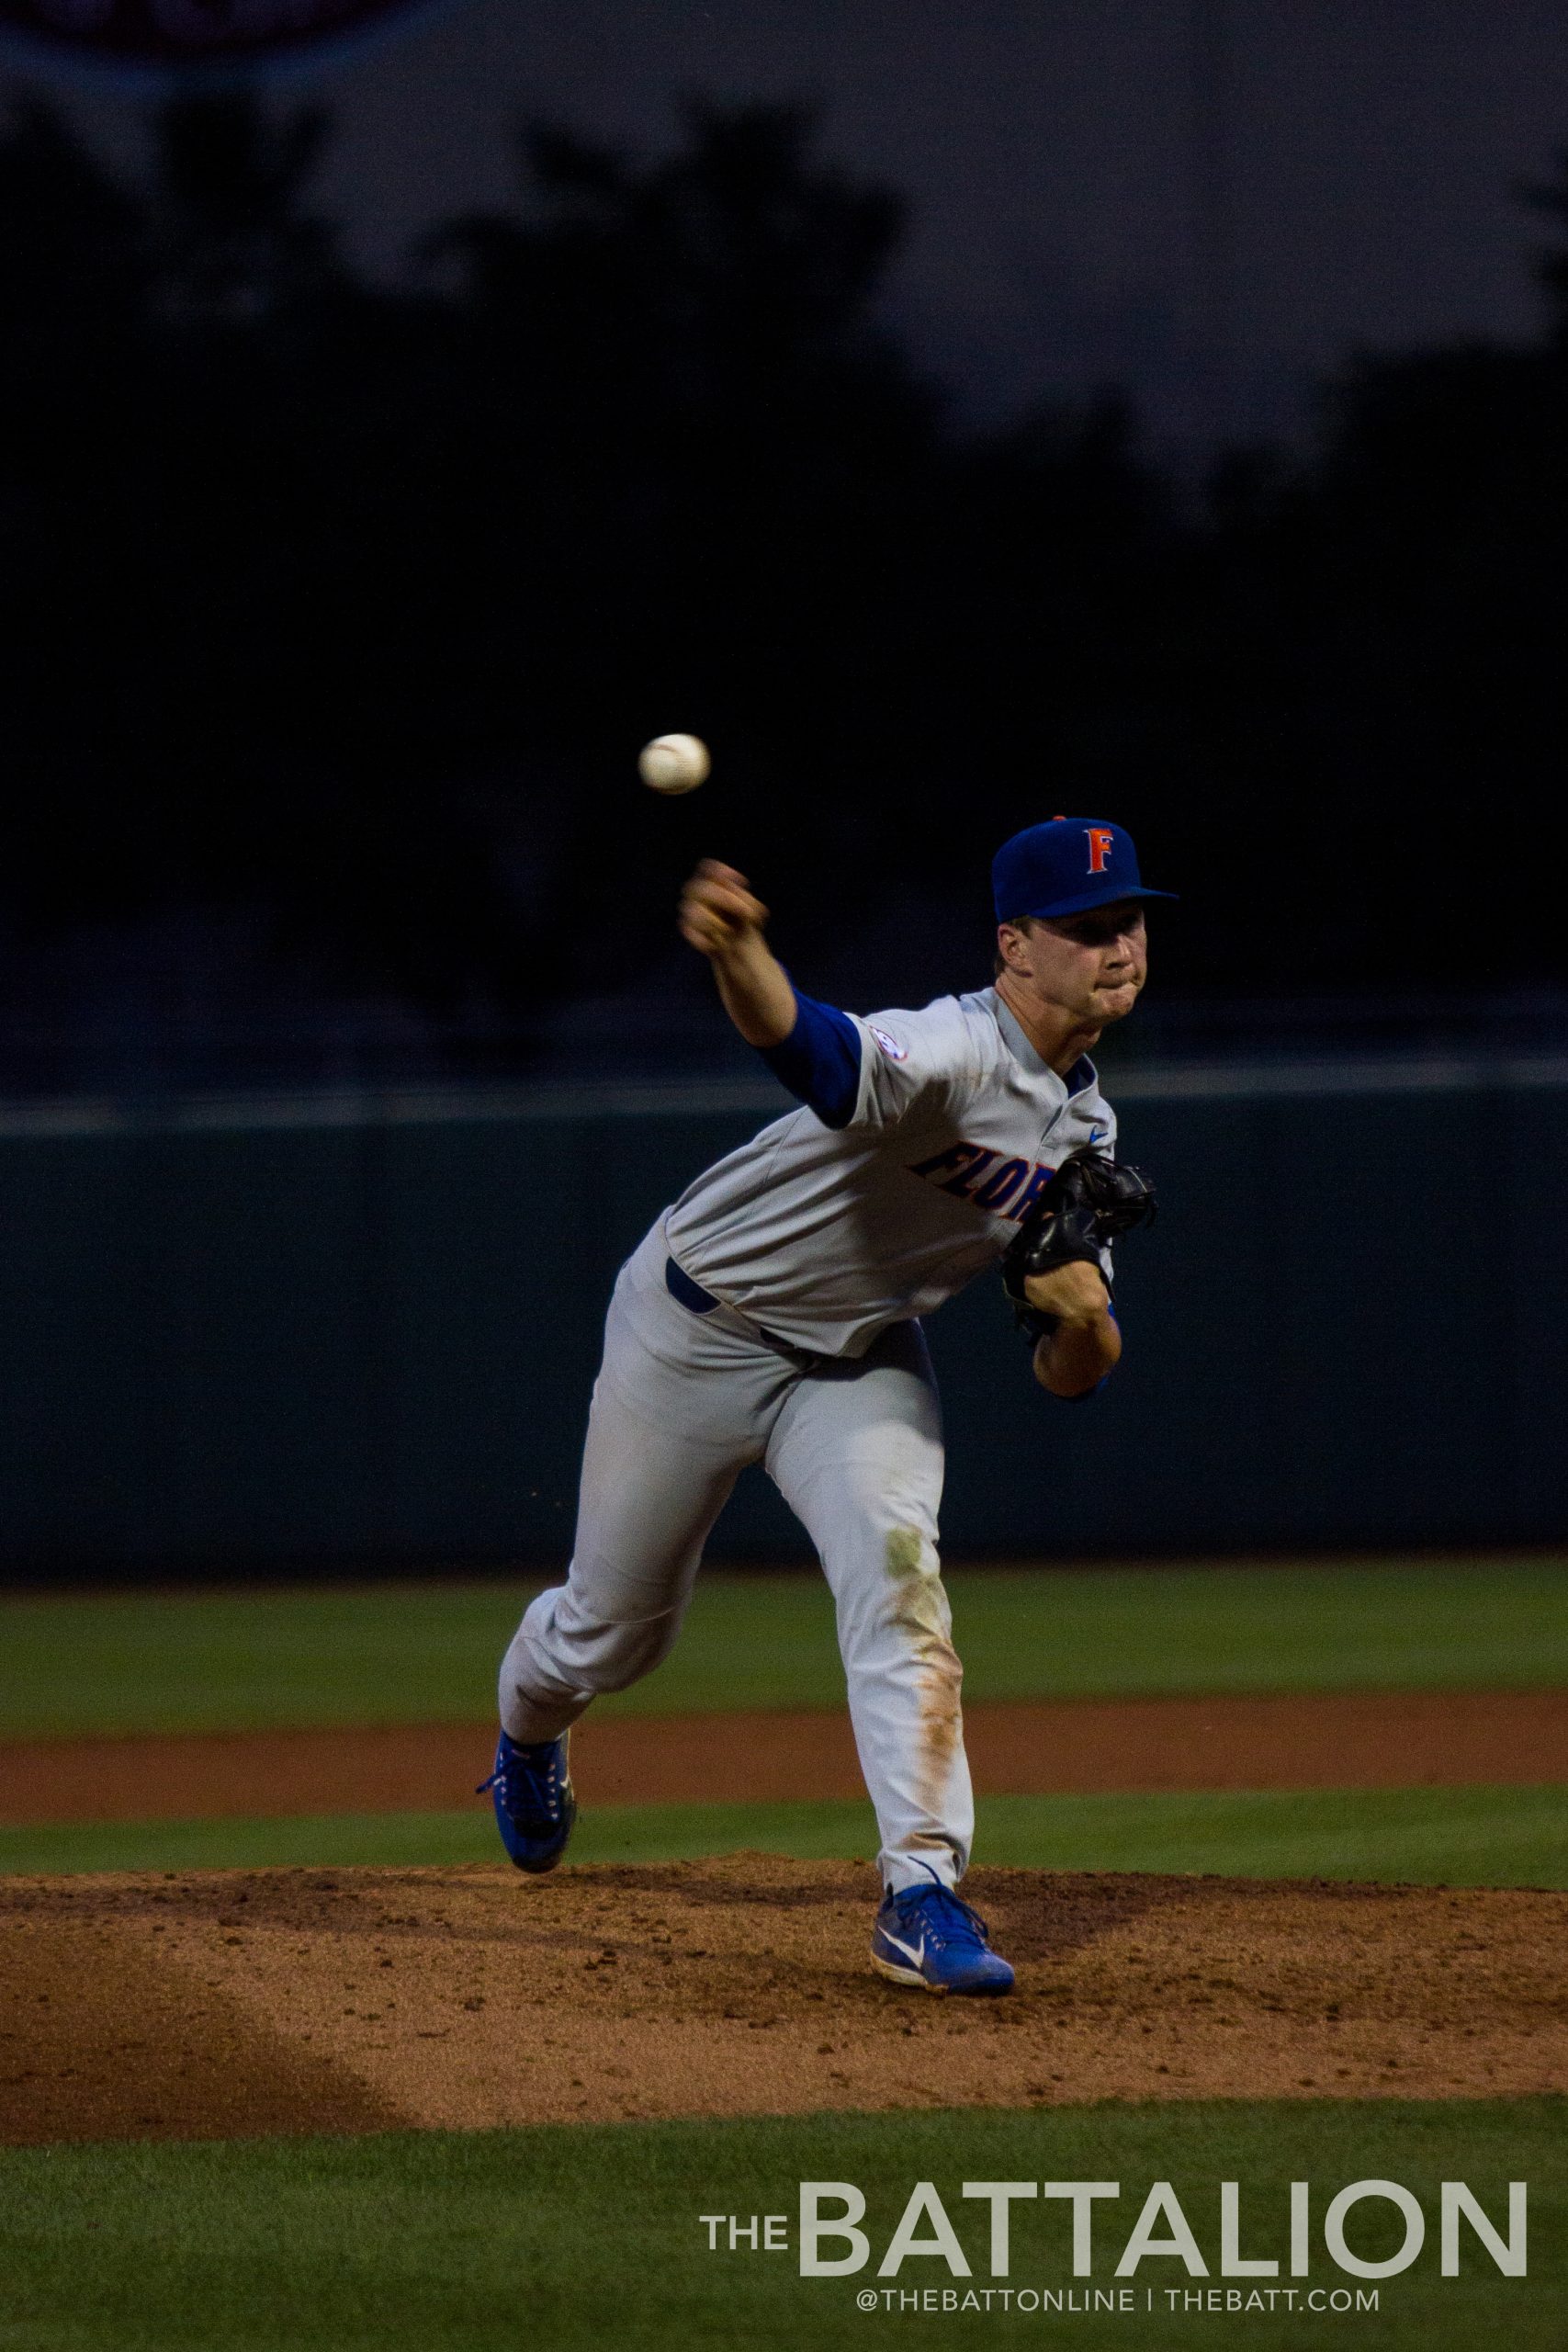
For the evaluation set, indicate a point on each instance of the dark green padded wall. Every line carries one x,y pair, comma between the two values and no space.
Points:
319,1336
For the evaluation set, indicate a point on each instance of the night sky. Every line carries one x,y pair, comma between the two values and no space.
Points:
1202,199
383,595
1206,200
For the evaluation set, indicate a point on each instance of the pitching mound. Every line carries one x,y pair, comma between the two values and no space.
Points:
233,2003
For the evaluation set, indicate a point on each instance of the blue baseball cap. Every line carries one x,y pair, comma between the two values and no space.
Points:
1065,868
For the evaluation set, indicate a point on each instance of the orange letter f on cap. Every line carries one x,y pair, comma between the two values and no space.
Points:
1099,843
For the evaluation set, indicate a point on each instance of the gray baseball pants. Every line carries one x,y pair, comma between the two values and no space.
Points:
683,1403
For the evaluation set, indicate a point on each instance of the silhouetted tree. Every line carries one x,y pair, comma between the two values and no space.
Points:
228,205
348,604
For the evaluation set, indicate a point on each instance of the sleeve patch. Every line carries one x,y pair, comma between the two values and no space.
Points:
891,1045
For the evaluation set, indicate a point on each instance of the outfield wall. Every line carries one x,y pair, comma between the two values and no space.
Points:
350,1330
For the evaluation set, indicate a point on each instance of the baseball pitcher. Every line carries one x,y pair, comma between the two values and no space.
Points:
773,1315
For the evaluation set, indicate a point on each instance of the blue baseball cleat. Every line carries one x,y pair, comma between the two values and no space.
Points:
535,1806
929,1936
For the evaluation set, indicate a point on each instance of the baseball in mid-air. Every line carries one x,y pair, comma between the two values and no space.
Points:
673,763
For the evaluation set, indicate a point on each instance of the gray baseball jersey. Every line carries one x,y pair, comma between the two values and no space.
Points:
832,1241
825,1236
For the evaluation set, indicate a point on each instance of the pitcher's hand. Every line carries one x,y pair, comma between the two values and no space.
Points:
718,913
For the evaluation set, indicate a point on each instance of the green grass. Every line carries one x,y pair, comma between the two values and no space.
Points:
427,1653
591,2236
1475,1836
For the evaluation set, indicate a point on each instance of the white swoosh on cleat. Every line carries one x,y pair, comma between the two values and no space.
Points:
915,1955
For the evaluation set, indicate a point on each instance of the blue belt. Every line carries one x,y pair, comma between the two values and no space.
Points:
679,1285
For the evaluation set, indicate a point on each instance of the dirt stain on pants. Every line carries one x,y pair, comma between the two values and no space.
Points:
922,1613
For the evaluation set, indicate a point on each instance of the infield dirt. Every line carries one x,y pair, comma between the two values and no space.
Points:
245,2003
1366,1739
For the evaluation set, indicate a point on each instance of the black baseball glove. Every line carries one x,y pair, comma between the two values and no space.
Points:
1090,1200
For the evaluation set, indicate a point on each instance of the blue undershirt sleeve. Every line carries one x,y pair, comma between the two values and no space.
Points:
820,1060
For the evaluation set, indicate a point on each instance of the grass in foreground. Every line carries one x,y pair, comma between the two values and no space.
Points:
592,2236
1476,1837
427,1653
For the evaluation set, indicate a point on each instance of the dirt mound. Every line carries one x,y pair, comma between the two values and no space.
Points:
222,2002
1331,1739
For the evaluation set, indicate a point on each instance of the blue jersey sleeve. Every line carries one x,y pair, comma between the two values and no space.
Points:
820,1060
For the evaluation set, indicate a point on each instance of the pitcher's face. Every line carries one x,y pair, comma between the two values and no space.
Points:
1089,966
